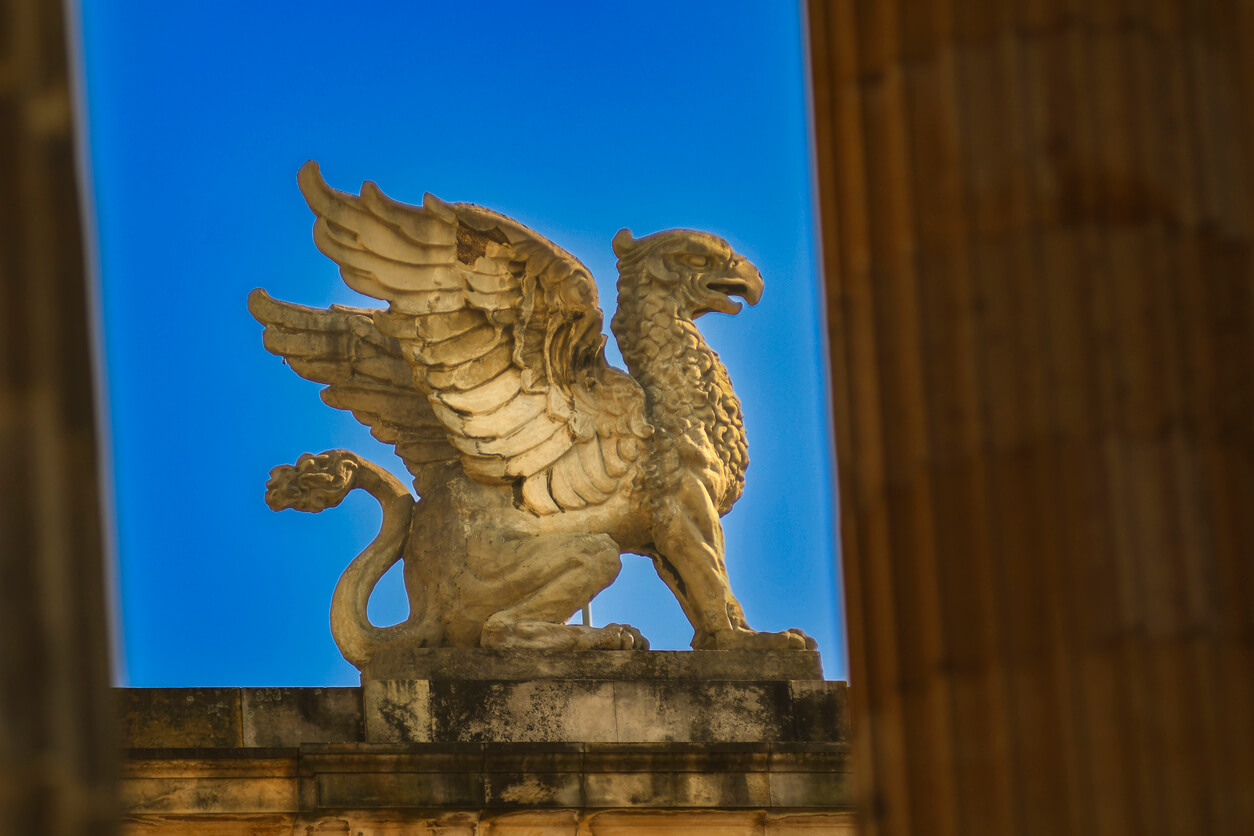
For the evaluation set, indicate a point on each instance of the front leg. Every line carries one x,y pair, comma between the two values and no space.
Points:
688,536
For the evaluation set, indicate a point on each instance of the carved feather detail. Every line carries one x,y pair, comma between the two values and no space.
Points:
364,371
492,338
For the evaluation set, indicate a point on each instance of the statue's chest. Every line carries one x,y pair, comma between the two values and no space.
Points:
693,395
724,423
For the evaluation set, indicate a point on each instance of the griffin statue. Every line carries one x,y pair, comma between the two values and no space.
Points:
537,463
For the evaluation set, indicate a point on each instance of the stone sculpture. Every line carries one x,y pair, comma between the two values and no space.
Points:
537,463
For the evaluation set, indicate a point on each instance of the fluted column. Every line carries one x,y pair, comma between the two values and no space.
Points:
56,753
1036,221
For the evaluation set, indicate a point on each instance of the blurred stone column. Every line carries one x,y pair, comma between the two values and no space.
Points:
56,715
1036,221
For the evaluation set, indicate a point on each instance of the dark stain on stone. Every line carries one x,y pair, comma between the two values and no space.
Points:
472,244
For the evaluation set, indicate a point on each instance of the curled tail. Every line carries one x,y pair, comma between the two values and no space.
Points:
318,482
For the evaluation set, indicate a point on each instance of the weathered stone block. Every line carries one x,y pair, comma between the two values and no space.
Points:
291,716
533,789
810,824
543,710
820,711
674,823
809,756
371,757
719,757
186,718
481,747
209,794
720,790
699,711
401,789
594,711
397,711
631,757
548,757
626,789
531,823
487,777
810,789
511,665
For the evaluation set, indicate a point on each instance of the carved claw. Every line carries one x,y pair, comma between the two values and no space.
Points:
314,483
742,639
629,638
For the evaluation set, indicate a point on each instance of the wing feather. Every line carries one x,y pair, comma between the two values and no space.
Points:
435,328
499,331
342,247
525,439
572,468
453,352
364,372
536,493
487,397
510,417
563,493
469,375
540,456
615,465
594,467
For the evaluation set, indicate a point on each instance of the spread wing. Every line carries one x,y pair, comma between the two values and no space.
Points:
364,370
502,331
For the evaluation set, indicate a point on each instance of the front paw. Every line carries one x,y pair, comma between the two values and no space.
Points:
738,638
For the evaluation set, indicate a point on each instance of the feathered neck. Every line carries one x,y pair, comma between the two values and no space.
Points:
652,333
687,388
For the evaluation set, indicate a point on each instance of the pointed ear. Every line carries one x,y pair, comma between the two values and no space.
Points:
622,242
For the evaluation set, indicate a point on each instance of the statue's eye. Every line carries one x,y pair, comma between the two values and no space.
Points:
698,261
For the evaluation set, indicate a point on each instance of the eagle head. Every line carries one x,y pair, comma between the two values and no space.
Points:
700,269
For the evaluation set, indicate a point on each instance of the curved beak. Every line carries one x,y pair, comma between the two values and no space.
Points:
744,270
741,279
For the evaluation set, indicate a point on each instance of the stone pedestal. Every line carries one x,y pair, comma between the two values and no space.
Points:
458,695
479,664
479,742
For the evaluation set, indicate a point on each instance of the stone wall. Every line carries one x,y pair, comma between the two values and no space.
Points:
477,748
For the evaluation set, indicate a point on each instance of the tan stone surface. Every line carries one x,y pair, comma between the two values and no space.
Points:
656,711
527,823
248,783
208,794
291,716
625,823
182,717
397,711
598,711
560,823
538,464
210,825
460,783
827,824
517,664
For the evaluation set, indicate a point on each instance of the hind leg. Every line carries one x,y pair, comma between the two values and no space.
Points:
550,578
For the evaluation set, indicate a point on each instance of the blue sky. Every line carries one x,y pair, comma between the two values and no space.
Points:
575,118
